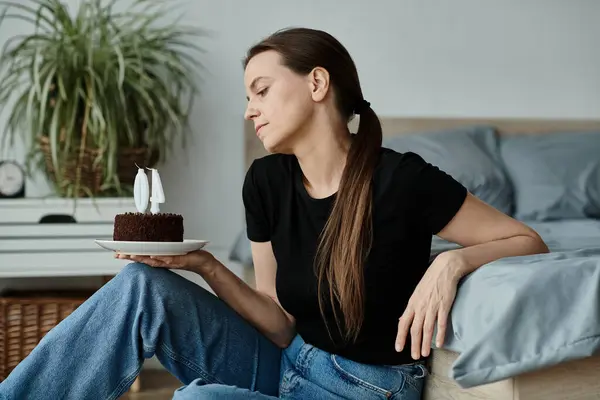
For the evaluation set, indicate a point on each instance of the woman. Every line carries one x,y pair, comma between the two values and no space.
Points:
345,304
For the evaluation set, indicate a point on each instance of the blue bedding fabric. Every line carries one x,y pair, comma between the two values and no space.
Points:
555,176
521,314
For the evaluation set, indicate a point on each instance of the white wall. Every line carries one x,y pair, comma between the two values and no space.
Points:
513,58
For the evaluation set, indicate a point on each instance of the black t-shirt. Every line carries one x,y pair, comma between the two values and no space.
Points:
412,200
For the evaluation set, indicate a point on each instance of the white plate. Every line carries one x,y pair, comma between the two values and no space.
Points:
152,248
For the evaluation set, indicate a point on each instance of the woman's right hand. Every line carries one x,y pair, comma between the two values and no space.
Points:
199,261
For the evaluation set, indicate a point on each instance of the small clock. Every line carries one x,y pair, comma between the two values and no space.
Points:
12,180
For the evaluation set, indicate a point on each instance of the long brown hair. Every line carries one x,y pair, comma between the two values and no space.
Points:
347,236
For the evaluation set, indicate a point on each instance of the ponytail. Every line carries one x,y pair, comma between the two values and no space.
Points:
347,237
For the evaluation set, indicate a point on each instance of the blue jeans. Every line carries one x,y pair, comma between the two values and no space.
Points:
98,350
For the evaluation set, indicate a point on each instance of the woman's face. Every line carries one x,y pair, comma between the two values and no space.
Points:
280,102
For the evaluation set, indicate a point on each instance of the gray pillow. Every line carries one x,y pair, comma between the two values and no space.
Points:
555,175
469,154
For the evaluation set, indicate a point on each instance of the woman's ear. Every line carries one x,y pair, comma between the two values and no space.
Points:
319,83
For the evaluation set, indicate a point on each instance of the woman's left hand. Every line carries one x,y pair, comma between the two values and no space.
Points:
199,261
430,303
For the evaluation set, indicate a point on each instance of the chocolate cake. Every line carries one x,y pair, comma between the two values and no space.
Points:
147,227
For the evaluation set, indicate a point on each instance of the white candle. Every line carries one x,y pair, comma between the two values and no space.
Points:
158,195
141,190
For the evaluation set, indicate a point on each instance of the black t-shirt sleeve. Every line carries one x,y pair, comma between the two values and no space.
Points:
438,196
257,223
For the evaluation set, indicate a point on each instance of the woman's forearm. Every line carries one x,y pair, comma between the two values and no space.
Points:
480,254
257,308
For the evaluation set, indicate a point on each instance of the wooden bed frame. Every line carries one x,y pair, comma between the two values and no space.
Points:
576,380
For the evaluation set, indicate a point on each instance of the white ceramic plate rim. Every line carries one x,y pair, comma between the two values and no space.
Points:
152,248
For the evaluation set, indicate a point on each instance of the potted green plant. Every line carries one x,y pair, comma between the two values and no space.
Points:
94,91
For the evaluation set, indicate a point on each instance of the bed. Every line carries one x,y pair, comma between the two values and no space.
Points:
570,227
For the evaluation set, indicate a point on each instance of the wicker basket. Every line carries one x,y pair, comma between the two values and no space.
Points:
91,174
26,317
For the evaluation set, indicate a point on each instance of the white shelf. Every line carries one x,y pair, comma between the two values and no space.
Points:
53,245
30,231
50,264
91,262
30,210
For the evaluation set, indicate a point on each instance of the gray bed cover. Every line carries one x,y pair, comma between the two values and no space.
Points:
520,314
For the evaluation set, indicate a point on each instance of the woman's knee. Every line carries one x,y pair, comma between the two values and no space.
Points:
136,271
139,277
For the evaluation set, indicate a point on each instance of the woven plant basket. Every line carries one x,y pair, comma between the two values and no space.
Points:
26,317
91,176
